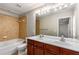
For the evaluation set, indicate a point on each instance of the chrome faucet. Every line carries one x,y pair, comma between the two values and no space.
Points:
41,35
62,38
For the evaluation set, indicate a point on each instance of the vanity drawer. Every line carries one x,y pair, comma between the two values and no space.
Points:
30,50
38,44
52,49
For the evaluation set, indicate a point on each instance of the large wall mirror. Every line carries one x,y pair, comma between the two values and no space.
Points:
58,22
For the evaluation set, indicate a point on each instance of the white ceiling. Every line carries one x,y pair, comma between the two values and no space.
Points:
21,8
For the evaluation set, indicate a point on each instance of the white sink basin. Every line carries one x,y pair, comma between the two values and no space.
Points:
56,40
49,39
67,43
62,43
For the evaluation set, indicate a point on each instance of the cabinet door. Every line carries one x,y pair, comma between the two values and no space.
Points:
30,47
39,44
54,50
69,52
30,50
38,51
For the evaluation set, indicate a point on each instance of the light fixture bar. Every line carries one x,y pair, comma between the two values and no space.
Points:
46,9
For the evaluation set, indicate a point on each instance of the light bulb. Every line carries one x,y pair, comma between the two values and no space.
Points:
65,5
37,11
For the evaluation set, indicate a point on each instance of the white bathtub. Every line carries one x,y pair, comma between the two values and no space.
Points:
9,47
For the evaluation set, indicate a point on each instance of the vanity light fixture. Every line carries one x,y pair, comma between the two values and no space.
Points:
47,9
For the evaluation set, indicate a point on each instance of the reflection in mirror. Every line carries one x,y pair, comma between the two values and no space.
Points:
57,20
64,28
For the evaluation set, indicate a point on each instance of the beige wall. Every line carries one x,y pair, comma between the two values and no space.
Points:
9,27
50,23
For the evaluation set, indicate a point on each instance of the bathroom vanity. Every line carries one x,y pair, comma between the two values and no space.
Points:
51,45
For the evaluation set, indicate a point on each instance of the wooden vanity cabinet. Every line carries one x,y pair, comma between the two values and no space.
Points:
39,48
